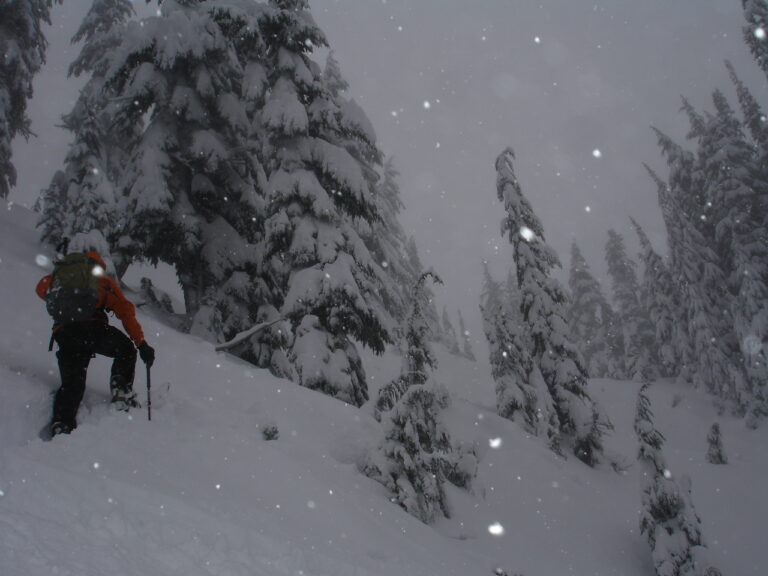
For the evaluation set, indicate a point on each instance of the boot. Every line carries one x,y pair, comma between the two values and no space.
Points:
123,396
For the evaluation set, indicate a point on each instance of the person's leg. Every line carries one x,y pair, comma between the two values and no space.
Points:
111,342
73,355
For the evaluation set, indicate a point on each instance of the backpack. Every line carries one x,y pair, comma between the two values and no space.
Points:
73,295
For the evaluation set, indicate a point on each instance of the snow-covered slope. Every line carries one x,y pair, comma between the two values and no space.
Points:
197,490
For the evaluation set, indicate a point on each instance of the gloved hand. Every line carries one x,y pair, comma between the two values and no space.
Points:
147,353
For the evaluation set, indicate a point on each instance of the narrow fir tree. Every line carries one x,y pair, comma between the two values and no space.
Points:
416,458
589,315
668,518
754,118
415,265
682,341
756,31
520,386
639,357
544,303
658,296
715,452
465,337
23,46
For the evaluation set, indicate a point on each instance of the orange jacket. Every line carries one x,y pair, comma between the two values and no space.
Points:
110,298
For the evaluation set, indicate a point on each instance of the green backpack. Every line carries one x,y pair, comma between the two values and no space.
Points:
73,295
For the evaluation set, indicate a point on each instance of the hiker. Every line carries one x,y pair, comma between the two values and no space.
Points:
78,295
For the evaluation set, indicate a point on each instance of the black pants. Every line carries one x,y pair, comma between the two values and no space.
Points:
78,343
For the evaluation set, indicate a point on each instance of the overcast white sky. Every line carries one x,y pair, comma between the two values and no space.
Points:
448,84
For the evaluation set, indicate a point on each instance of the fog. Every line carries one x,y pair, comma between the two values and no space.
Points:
449,84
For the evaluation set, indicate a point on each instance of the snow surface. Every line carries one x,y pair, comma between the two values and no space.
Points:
198,491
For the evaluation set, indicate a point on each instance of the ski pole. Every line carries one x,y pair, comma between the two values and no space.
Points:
149,397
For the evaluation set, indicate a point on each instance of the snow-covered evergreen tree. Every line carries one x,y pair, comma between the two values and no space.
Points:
23,46
715,451
658,297
466,348
414,264
544,303
754,117
756,31
589,316
324,278
701,282
682,342
449,334
191,189
83,199
735,185
520,387
416,457
639,353
668,518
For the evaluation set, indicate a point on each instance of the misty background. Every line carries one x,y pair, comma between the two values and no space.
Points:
449,84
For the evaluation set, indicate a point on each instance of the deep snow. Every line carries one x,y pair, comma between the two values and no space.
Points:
198,490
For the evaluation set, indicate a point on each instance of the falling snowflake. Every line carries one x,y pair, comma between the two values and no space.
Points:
596,153
311,504
427,105
527,233
97,271
760,33
96,465
496,529
587,209
42,261
667,473
494,442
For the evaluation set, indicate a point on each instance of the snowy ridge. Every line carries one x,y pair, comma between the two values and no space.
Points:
199,491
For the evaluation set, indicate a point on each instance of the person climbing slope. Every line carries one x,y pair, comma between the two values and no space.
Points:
78,295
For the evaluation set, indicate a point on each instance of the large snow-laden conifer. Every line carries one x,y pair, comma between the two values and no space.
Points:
737,189
589,316
23,46
520,387
697,273
544,303
416,458
659,298
668,518
639,350
83,199
324,279
191,187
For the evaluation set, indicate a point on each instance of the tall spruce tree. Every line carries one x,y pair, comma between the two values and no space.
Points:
82,200
682,342
581,423
756,31
589,316
326,282
191,194
23,46
639,357
520,387
415,457
701,282
668,518
659,297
